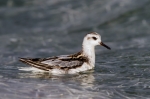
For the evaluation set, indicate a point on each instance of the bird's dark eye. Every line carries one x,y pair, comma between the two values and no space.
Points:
94,38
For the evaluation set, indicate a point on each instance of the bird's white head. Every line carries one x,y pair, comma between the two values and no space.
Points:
92,39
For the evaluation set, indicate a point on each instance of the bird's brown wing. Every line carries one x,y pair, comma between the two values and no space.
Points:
60,62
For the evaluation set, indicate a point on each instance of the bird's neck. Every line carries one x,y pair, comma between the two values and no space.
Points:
89,51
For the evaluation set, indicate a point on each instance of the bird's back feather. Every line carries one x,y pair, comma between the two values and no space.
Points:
63,62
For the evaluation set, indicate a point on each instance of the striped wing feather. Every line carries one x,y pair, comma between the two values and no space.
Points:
60,62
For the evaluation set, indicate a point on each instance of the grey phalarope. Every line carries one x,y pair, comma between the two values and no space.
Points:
69,64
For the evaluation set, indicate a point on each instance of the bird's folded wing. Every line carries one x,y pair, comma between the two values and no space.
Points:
60,62
64,62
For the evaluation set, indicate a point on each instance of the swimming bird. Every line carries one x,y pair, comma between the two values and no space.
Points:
69,64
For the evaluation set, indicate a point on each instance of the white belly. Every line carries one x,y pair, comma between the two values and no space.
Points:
84,67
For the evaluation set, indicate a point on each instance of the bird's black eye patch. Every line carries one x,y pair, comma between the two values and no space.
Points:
94,38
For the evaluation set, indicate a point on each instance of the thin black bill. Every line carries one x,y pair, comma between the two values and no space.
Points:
105,45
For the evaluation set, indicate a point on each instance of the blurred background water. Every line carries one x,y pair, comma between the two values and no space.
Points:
43,28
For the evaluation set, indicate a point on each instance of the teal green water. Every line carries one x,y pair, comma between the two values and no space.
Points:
52,27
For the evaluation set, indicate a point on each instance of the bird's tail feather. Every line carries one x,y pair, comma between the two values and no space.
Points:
36,64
